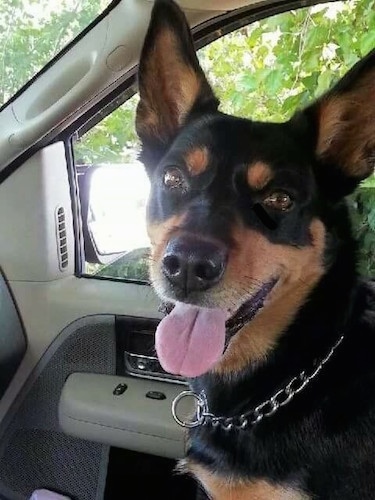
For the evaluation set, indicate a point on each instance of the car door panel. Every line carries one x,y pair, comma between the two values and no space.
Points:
70,325
34,451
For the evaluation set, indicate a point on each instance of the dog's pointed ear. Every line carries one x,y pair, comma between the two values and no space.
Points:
172,85
342,125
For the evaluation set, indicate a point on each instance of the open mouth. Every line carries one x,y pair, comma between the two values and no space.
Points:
249,309
244,314
191,339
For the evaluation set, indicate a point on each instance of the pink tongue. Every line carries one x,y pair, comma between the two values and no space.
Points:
190,340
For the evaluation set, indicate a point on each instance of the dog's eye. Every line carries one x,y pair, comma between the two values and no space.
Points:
279,200
173,179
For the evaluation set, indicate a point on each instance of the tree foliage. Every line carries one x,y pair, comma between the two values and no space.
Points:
264,71
269,68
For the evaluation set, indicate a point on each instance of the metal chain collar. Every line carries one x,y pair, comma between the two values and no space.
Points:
266,409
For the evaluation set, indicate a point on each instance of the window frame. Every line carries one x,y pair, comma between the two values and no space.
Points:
203,35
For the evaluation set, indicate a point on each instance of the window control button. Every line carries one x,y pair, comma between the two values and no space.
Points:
156,395
119,389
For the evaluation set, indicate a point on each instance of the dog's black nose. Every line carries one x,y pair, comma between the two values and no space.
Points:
192,264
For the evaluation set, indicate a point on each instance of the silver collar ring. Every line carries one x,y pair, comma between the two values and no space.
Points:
201,408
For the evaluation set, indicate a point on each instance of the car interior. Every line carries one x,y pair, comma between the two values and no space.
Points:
85,407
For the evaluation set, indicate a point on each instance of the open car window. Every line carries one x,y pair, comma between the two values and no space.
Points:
282,63
32,32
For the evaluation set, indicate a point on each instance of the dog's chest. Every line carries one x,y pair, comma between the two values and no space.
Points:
221,488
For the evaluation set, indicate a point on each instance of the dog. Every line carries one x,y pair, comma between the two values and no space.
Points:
252,245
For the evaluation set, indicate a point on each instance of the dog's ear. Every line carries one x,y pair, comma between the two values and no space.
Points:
172,85
343,130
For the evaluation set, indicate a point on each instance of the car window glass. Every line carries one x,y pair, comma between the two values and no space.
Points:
281,63
32,32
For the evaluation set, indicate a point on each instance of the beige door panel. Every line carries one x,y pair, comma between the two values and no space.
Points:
47,308
50,297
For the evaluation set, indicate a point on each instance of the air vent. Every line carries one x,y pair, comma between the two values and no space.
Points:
62,244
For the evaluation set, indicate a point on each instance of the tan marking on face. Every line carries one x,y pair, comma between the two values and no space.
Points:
197,160
258,175
225,488
169,92
347,128
159,235
256,261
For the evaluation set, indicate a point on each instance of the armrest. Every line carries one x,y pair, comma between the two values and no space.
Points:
89,409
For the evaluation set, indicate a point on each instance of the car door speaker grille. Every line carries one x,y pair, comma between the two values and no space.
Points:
61,235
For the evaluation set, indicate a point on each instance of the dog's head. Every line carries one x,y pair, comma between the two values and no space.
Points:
235,211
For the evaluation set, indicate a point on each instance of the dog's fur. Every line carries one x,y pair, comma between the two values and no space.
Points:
322,444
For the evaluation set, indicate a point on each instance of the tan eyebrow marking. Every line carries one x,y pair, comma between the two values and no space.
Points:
197,160
258,175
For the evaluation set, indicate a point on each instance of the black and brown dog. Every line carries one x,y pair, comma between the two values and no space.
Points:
251,242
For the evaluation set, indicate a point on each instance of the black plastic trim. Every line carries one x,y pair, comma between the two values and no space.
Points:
117,280
76,208
13,338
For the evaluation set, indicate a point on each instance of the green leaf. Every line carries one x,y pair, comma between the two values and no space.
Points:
310,61
292,103
324,82
367,42
369,182
248,83
273,81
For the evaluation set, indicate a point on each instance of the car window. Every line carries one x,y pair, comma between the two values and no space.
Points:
32,32
281,63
